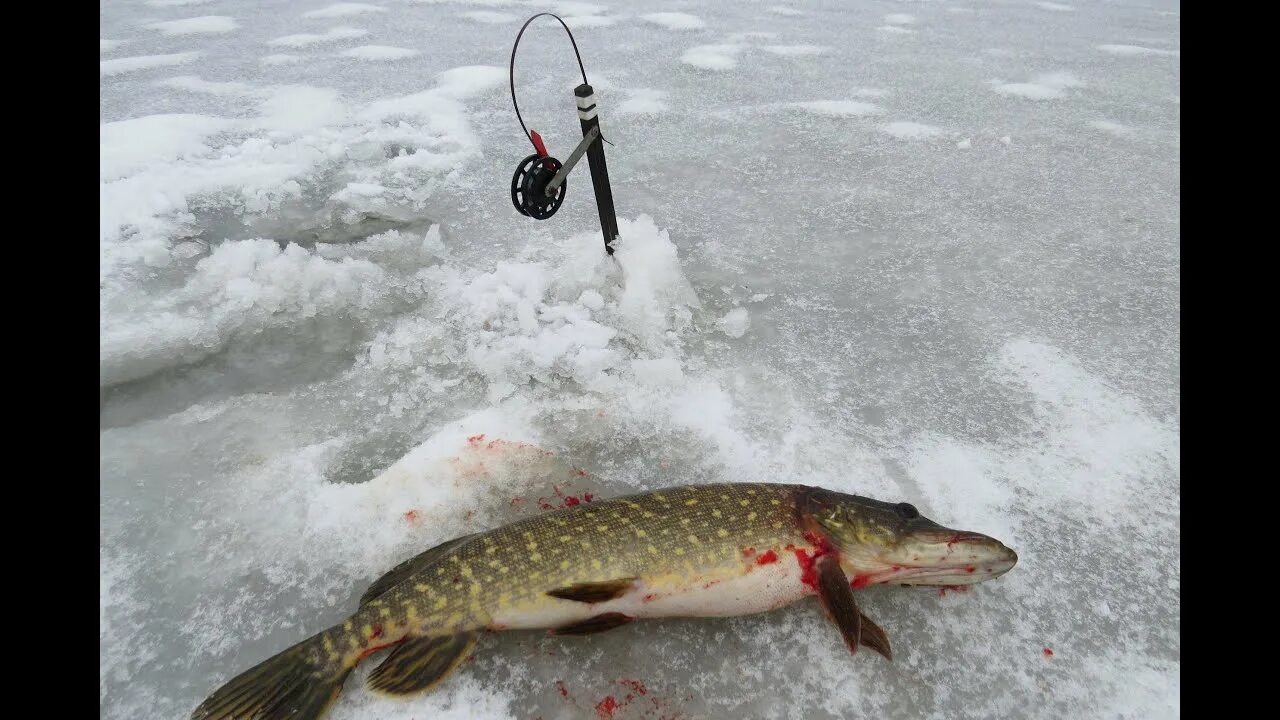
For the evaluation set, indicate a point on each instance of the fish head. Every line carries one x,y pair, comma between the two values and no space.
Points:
892,543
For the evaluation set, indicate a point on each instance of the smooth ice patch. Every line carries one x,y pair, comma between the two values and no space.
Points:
643,101
119,66
194,84
105,45
1109,126
1136,51
331,35
588,21
1048,86
675,20
785,11
795,50
281,59
899,19
712,57
840,108
1056,7
895,30
379,52
343,10
490,17
907,130
195,25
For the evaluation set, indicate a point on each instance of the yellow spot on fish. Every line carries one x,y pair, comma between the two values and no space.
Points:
595,564
367,631
328,643
775,502
648,514
535,557
722,532
751,516
744,503
692,538
564,564
679,551
494,563
385,612
491,549
751,492
715,513
602,528
653,550
466,571
777,525
456,559
412,612
475,588
441,602
566,538
632,505
659,497
691,502
347,626
641,533
439,571
504,569
532,546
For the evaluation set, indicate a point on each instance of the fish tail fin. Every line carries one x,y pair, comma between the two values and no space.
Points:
300,683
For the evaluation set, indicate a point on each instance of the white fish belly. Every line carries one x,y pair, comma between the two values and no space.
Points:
763,588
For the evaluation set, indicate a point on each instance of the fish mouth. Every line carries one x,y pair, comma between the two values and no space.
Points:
961,558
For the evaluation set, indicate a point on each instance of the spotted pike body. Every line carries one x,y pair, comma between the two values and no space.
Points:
693,551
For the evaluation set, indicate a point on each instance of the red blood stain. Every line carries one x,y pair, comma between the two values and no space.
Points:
376,648
475,438
860,581
1048,652
588,497
605,708
649,598
544,505
808,573
571,501
377,632
411,516
768,557
564,691
636,686
581,472
970,569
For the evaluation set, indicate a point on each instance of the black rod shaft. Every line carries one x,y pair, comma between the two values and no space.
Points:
589,116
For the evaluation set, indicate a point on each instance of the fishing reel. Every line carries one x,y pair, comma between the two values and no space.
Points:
531,189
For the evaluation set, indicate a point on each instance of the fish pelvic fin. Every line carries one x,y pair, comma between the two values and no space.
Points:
419,664
300,683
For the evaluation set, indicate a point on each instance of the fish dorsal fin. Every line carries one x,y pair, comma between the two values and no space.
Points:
875,638
837,598
399,573
417,664
594,592
594,624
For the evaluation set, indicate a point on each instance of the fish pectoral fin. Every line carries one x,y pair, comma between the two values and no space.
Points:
594,592
837,598
417,664
875,638
594,624
404,570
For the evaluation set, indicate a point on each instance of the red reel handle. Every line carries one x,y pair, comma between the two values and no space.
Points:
537,143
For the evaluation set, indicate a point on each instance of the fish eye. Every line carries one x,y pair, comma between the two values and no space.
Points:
908,511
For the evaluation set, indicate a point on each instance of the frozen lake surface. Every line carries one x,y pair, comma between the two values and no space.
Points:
922,251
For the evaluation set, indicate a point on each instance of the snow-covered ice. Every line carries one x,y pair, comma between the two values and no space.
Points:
857,251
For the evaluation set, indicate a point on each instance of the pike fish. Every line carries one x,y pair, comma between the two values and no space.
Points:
695,551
